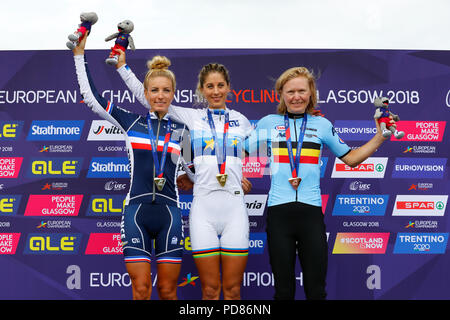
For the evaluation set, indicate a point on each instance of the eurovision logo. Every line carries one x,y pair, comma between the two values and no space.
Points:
433,168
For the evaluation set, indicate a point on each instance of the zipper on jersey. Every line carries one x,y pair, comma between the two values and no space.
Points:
154,167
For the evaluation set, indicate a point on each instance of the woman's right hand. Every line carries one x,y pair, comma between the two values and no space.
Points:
121,60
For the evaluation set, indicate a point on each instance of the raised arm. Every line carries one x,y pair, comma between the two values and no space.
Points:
357,156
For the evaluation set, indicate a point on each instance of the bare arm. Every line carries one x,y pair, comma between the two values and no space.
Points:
357,156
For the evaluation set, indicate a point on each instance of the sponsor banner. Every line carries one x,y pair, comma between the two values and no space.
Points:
419,168
109,167
355,130
432,131
360,205
54,167
420,205
253,167
373,167
256,203
323,166
53,205
102,130
257,242
361,243
47,130
421,243
10,167
185,203
8,242
53,243
9,204
324,198
104,243
10,130
105,205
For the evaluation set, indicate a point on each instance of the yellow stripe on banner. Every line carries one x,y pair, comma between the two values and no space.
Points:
305,152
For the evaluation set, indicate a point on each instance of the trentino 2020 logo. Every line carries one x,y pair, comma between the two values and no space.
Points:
421,243
360,205
44,130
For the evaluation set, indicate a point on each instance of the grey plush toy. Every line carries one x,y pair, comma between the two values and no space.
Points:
123,40
87,20
382,115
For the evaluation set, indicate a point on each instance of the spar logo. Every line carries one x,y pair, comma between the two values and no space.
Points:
351,130
53,205
361,243
374,167
421,243
54,167
9,204
10,130
55,243
10,167
420,205
432,131
360,205
104,243
41,130
419,168
102,130
105,205
9,242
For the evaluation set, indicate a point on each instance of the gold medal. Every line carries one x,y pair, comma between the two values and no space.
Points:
295,182
159,182
222,178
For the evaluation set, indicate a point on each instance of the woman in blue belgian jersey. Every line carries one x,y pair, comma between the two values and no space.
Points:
295,222
150,211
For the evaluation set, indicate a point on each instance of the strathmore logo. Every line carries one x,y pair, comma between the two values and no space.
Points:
374,167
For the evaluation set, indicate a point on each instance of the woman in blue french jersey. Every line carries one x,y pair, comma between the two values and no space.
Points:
154,146
295,219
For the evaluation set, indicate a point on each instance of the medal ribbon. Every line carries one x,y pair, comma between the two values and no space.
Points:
159,168
221,164
295,163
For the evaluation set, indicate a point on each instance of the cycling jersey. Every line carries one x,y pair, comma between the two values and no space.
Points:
203,144
148,213
218,222
270,131
136,131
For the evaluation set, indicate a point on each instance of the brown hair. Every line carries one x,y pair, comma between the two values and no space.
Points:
206,70
291,74
158,66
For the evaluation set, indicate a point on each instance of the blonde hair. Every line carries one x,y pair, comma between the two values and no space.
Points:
291,74
158,66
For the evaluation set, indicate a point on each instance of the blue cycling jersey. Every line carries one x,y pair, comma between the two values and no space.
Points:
137,139
270,133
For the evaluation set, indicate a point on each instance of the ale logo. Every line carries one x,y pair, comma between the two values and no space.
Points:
52,244
55,167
